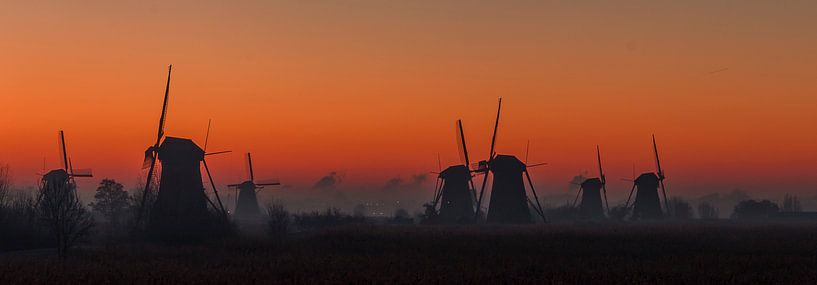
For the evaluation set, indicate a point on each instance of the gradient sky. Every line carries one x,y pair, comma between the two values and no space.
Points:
373,88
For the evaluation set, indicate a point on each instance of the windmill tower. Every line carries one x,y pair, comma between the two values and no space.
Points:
647,204
591,191
181,203
509,200
61,179
246,206
455,193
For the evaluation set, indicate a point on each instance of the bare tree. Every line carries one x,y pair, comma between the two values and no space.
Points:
61,211
680,209
707,212
5,184
791,204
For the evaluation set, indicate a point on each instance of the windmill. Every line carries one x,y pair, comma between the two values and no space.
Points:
592,190
454,191
509,200
647,204
62,179
246,206
181,203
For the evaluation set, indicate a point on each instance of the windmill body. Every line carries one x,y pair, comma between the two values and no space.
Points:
59,183
509,202
247,205
55,183
647,204
457,205
181,201
591,206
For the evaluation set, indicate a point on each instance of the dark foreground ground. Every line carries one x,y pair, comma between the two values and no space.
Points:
584,253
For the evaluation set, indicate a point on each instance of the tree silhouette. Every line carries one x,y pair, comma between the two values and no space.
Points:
791,204
707,212
680,209
62,212
751,209
111,200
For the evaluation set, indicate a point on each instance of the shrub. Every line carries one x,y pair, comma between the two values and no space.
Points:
330,217
680,209
401,217
278,221
619,212
707,212
751,209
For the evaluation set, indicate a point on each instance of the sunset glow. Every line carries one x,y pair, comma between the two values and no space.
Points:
373,88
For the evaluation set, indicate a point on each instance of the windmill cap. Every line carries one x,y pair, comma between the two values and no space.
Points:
506,163
179,149
647,178
56,175
455,171
592,183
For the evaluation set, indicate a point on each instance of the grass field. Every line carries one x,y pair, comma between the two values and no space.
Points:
691,253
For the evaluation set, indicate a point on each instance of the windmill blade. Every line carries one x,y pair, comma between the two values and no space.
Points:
535,165
218,152
660,173
213,184
268,182
149,158
527,151
627,205
603,179
152,151
576,200
83,172
462,145
466,160
64,151
536,197
439,164
436,189
481,194
163,117
249,164
496,127
207,135
437,192
146,192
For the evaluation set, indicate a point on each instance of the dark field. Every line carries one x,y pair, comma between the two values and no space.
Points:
582,253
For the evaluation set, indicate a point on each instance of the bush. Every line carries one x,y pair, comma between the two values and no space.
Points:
707,212
18,224
751,209
278,221
401,217
680,209
619,212
331,217
564,212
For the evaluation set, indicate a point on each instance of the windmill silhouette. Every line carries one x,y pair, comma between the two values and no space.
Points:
246,206
181,203
454,191
647,204
62,179
509,200
592,191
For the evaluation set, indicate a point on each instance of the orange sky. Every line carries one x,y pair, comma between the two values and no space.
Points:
373,88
